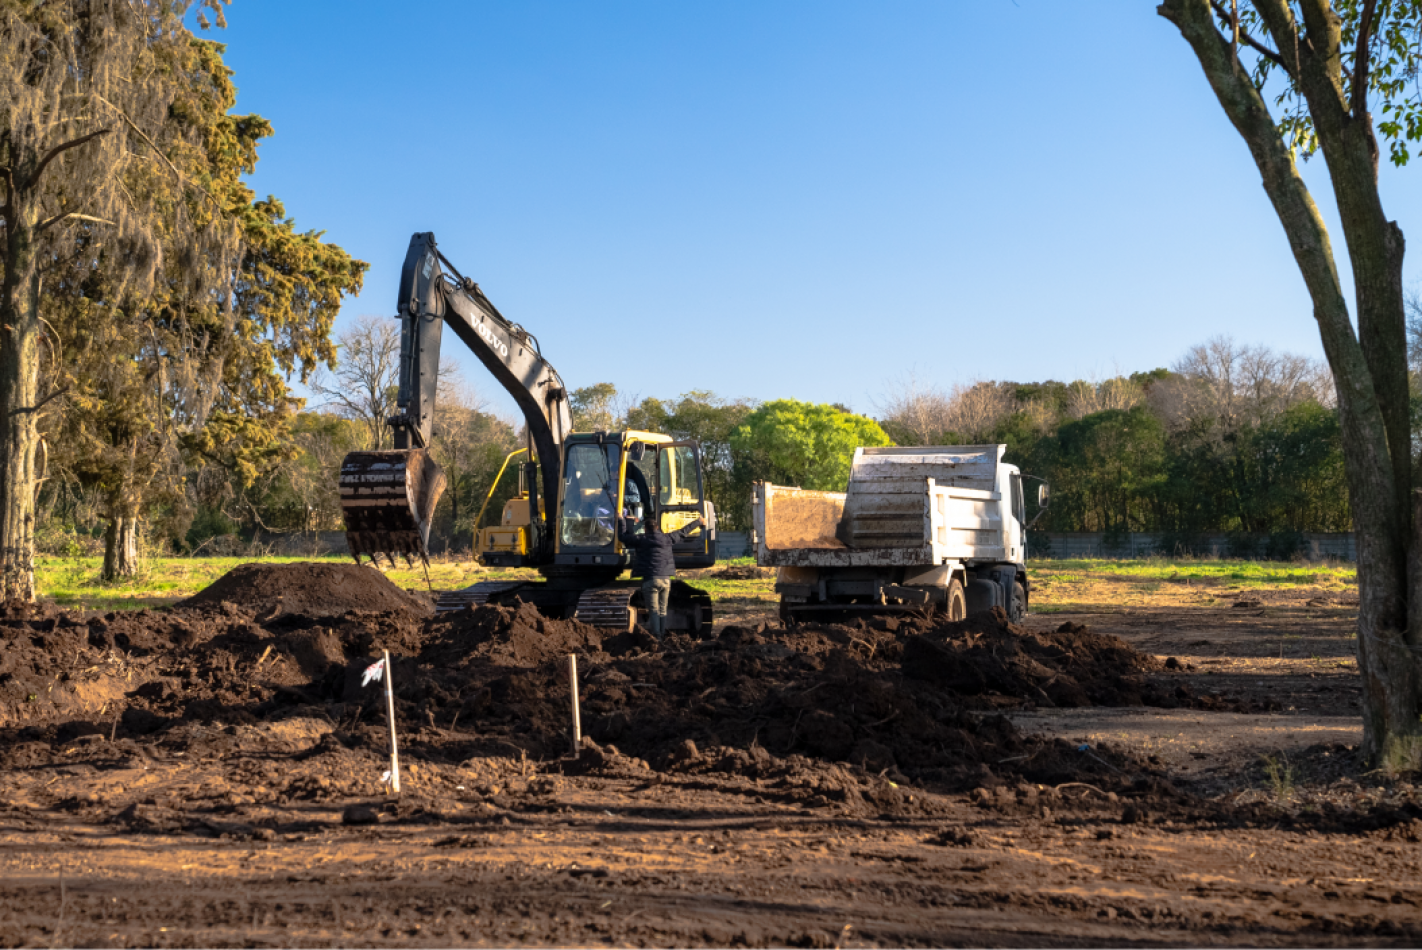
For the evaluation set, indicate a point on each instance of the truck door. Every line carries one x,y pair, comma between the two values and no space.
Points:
681,498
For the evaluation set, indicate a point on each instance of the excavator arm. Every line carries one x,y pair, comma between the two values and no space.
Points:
388,498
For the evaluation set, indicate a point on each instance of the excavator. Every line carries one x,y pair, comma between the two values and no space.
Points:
572,488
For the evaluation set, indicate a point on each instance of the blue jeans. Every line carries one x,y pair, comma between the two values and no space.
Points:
655,591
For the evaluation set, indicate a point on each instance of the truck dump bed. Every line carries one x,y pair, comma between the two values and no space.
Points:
904,506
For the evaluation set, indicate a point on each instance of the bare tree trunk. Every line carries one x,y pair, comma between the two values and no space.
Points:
1370,373
19,389
121,547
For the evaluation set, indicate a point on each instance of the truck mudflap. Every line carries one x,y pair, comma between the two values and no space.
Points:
387,501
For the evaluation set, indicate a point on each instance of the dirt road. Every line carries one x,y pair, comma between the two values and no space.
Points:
213,777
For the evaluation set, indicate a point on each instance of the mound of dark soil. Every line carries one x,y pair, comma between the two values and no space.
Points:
512,634
892,699
986,656
313,588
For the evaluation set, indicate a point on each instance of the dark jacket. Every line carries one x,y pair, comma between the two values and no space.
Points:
652,550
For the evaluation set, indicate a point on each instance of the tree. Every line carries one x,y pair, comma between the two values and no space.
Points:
470,445
703,416
1085,397
88,89
916,414
194,364
597,408
1111,468
366,379
800,443
1332,64
303,492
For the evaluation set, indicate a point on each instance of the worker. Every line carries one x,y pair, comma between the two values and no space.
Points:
653,562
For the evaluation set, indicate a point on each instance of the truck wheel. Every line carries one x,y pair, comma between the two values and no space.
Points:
1018,611
955,603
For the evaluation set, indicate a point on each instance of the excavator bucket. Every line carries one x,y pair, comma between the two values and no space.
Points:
387,500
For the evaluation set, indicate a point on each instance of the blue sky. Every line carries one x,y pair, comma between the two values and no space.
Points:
786,199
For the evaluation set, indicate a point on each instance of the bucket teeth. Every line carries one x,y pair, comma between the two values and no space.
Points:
387,500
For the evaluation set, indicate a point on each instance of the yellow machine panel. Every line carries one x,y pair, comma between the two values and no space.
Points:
510,536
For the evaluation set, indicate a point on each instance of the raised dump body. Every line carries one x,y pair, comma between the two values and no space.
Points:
916,526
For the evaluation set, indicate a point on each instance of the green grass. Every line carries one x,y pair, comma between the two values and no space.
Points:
163,581
1181,570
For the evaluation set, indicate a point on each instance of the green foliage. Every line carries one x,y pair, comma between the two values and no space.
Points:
471,447
595,408
711,421
1111,466
1393,58
191,370
800,443
209,523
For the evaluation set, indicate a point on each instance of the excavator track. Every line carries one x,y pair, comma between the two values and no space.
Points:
607,607
611,608
474,596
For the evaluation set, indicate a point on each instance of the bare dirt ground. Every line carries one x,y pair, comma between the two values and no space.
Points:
1179,771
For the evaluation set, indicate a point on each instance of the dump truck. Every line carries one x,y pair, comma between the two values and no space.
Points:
939,528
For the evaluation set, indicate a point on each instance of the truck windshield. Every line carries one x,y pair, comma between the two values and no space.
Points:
590,496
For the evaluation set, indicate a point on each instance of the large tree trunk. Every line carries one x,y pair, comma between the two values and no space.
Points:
121,547
19,384
1370,374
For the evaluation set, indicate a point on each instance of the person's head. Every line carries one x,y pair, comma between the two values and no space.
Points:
652,526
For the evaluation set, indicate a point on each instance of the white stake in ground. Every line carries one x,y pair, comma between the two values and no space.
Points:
577,720
377,671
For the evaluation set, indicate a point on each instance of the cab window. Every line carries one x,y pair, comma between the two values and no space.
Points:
589,496
680,482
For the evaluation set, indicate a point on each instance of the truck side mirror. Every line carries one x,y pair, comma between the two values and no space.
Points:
637,451
1044,495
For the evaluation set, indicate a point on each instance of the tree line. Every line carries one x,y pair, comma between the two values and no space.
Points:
1233,439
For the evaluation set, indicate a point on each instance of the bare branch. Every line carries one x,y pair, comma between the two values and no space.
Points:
159,152
41,404
1231,18
1279,20
70,214
63,147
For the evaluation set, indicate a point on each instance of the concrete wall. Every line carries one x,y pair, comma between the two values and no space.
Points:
731,544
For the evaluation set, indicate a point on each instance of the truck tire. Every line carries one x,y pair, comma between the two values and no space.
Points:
955,604
1018,609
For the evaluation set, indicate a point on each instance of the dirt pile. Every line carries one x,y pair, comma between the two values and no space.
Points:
987,657
510,634
910,700
313,589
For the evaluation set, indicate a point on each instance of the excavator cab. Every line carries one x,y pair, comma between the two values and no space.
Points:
636,475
